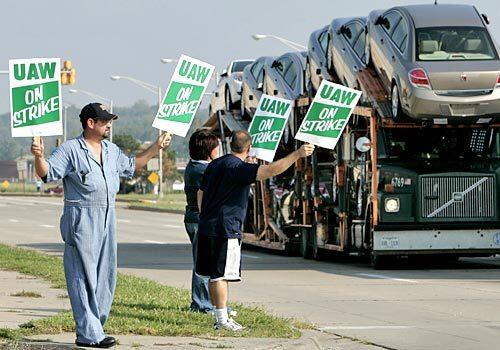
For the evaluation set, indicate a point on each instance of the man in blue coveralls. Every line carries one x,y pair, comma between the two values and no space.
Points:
90,167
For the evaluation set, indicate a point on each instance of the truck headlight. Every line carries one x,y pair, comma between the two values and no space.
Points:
392,205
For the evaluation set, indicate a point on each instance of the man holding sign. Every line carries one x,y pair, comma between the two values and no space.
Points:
90,167
223,199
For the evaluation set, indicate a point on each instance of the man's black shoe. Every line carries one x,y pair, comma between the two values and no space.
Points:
107,342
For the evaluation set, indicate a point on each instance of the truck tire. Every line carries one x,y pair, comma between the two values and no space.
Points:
316,252
382,262
305,246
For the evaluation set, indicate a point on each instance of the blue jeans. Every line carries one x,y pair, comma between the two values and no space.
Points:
200,297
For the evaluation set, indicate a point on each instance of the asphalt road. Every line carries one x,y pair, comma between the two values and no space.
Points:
416,306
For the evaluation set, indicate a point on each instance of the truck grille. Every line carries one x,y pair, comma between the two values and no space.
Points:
458,196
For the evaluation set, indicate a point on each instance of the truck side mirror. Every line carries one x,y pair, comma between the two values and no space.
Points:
363,144
379,20
224,73
216,94
318,71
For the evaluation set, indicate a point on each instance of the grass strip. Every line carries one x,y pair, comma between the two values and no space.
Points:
141,306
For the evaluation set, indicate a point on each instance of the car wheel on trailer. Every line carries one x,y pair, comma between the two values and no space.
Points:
396,110
229,102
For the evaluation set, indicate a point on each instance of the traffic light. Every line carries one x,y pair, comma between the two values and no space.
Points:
68,74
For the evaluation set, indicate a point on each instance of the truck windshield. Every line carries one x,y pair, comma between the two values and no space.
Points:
454,44
439,143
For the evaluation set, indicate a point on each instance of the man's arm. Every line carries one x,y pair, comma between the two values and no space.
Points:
142,158
37,149
199,197
279,166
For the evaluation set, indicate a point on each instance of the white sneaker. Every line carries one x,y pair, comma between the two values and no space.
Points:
230,325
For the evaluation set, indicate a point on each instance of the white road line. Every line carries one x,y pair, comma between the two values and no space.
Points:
371,275
47,226
13,220
172,226
123,220
33,201
250,256
154,242
339,328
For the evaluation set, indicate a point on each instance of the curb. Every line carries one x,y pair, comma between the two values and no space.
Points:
158,210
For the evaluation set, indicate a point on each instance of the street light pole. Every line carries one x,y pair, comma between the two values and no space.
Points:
160,155
156,90
289,43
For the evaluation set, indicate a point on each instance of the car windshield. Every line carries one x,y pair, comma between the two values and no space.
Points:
454,44
439,143
238,66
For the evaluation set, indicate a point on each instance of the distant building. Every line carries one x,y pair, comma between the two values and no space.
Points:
8,170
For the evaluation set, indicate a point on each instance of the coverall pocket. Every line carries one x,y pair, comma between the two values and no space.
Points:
88,180
69,223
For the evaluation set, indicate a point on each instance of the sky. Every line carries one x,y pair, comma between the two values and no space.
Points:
128,37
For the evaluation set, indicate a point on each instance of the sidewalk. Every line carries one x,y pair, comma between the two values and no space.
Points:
16,310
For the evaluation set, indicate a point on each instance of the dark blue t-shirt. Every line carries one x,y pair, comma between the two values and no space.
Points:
192,182
225,185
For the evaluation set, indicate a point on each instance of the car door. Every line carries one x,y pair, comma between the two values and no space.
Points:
257,73
319,60
382,50
274,80
346,37
398,51
354,53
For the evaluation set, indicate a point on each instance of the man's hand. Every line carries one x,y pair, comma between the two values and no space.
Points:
306,150
164,140
37,147
251,160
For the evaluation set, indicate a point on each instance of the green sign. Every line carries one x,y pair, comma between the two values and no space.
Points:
35,97
183,96
267,126
328,115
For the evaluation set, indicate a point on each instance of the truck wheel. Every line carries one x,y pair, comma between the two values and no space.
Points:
380,262
305,247
317,253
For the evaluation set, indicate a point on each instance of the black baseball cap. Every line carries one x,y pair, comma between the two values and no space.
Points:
96,111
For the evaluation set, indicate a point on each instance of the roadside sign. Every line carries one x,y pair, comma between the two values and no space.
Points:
35,97
22,165
153,165
328,115
183,96
267,126
5,184
153,178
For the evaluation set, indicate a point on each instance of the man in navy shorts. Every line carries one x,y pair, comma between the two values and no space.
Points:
223,199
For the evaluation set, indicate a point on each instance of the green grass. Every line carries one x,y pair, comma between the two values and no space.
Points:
170,201
17,187
26,294
141,306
